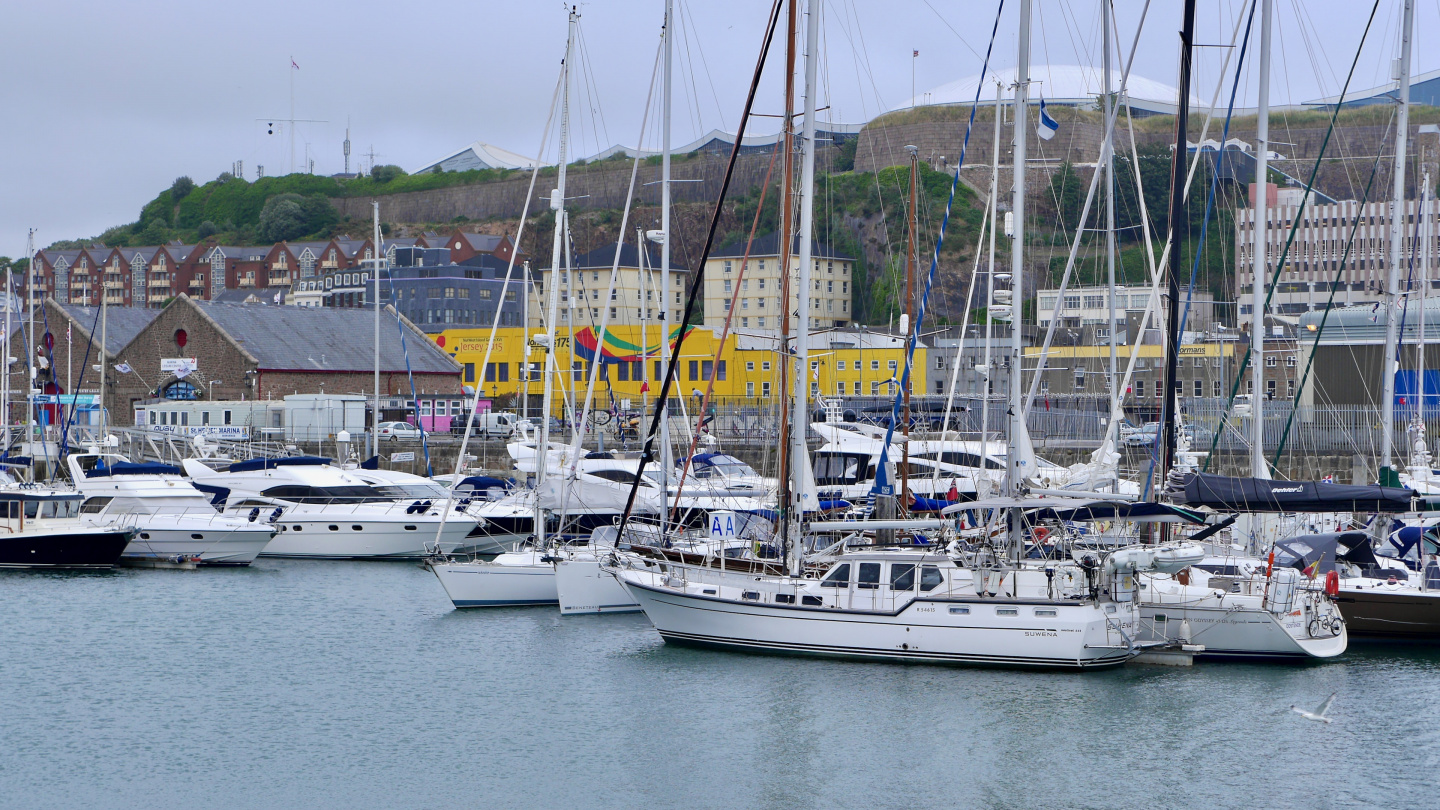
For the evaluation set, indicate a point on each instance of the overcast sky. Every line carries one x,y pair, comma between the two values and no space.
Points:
108,102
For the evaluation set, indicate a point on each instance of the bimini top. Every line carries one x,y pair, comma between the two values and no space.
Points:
1227,494
271,463
132,468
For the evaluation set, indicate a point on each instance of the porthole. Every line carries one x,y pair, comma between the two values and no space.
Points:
145,535
960,610
196,536
1052,612
1007,612
409,528
356,527
334,528
297,527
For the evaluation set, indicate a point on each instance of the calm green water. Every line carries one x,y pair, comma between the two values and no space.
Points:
351,685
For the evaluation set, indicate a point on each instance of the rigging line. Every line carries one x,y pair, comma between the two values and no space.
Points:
725,330
965,325
598,362
1105,151
85,364
1325,314
958,36
705,63
687,70
1294,229
699,282
525,291
882,485
592,90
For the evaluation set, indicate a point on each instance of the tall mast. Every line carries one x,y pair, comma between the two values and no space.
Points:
557,204
375,274
666,462
104,361
1259,272
1013,461
1177,227
1109,169
1397,218
783,242
910,262
30,356
990,283
807,232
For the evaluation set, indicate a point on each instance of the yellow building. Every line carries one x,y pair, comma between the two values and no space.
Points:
844,363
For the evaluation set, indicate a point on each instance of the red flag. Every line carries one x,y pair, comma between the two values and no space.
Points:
917,53
292,63
644,387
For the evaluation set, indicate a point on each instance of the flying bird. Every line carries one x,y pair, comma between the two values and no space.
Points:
1319,714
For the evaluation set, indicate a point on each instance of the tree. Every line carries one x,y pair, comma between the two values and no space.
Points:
155,233
386,173
207,228
283,218
1065,192
182,186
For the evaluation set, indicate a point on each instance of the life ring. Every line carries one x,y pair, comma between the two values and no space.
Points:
1040,534
1332,584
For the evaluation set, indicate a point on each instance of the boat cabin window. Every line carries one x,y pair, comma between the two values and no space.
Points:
54,508
930,577
869,576
620,476
968,460
839,577
94,506
902,576
832,469
413,490
301,493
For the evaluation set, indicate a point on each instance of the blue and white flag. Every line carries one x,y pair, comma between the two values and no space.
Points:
1047,127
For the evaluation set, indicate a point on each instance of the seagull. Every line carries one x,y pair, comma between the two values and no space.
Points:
1319,714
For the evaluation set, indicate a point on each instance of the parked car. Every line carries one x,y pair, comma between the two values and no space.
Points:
1143,436
397,431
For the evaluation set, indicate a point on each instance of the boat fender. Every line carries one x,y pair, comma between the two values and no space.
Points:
274,516
254,514
1332,584
412,508
425,507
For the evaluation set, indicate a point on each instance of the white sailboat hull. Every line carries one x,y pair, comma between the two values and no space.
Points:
582,586
512,579
926,630
1242,633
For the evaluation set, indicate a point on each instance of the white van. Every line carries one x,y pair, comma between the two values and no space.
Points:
491,424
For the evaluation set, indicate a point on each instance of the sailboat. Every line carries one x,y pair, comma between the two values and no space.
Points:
939,601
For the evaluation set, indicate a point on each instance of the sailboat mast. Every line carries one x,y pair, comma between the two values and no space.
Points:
375,274
801,461
1109,169
557,204
1013,460
30,357
910,261
1259,272
989,284
666,460
1177,225
1397,219
783,243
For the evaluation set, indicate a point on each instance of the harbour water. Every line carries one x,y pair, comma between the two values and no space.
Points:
353,685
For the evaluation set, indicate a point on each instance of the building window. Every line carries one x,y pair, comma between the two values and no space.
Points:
1216,388
874,389
840,389
750,389
179,390
765,389
750,365
720,371
1270,361
469,372
1139,389
765,366
1199,388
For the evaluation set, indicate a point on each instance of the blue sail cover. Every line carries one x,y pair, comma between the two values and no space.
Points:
271,463
1229,494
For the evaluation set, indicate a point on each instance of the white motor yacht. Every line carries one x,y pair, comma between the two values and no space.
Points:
325,512
174,522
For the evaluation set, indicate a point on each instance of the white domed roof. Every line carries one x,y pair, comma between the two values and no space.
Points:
1058,84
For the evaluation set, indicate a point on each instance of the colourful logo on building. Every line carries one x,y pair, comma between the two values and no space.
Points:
618,350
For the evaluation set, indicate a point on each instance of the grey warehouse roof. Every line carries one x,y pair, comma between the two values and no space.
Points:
122,324
325,339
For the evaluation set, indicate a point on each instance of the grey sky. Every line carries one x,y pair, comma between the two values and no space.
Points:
108,102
